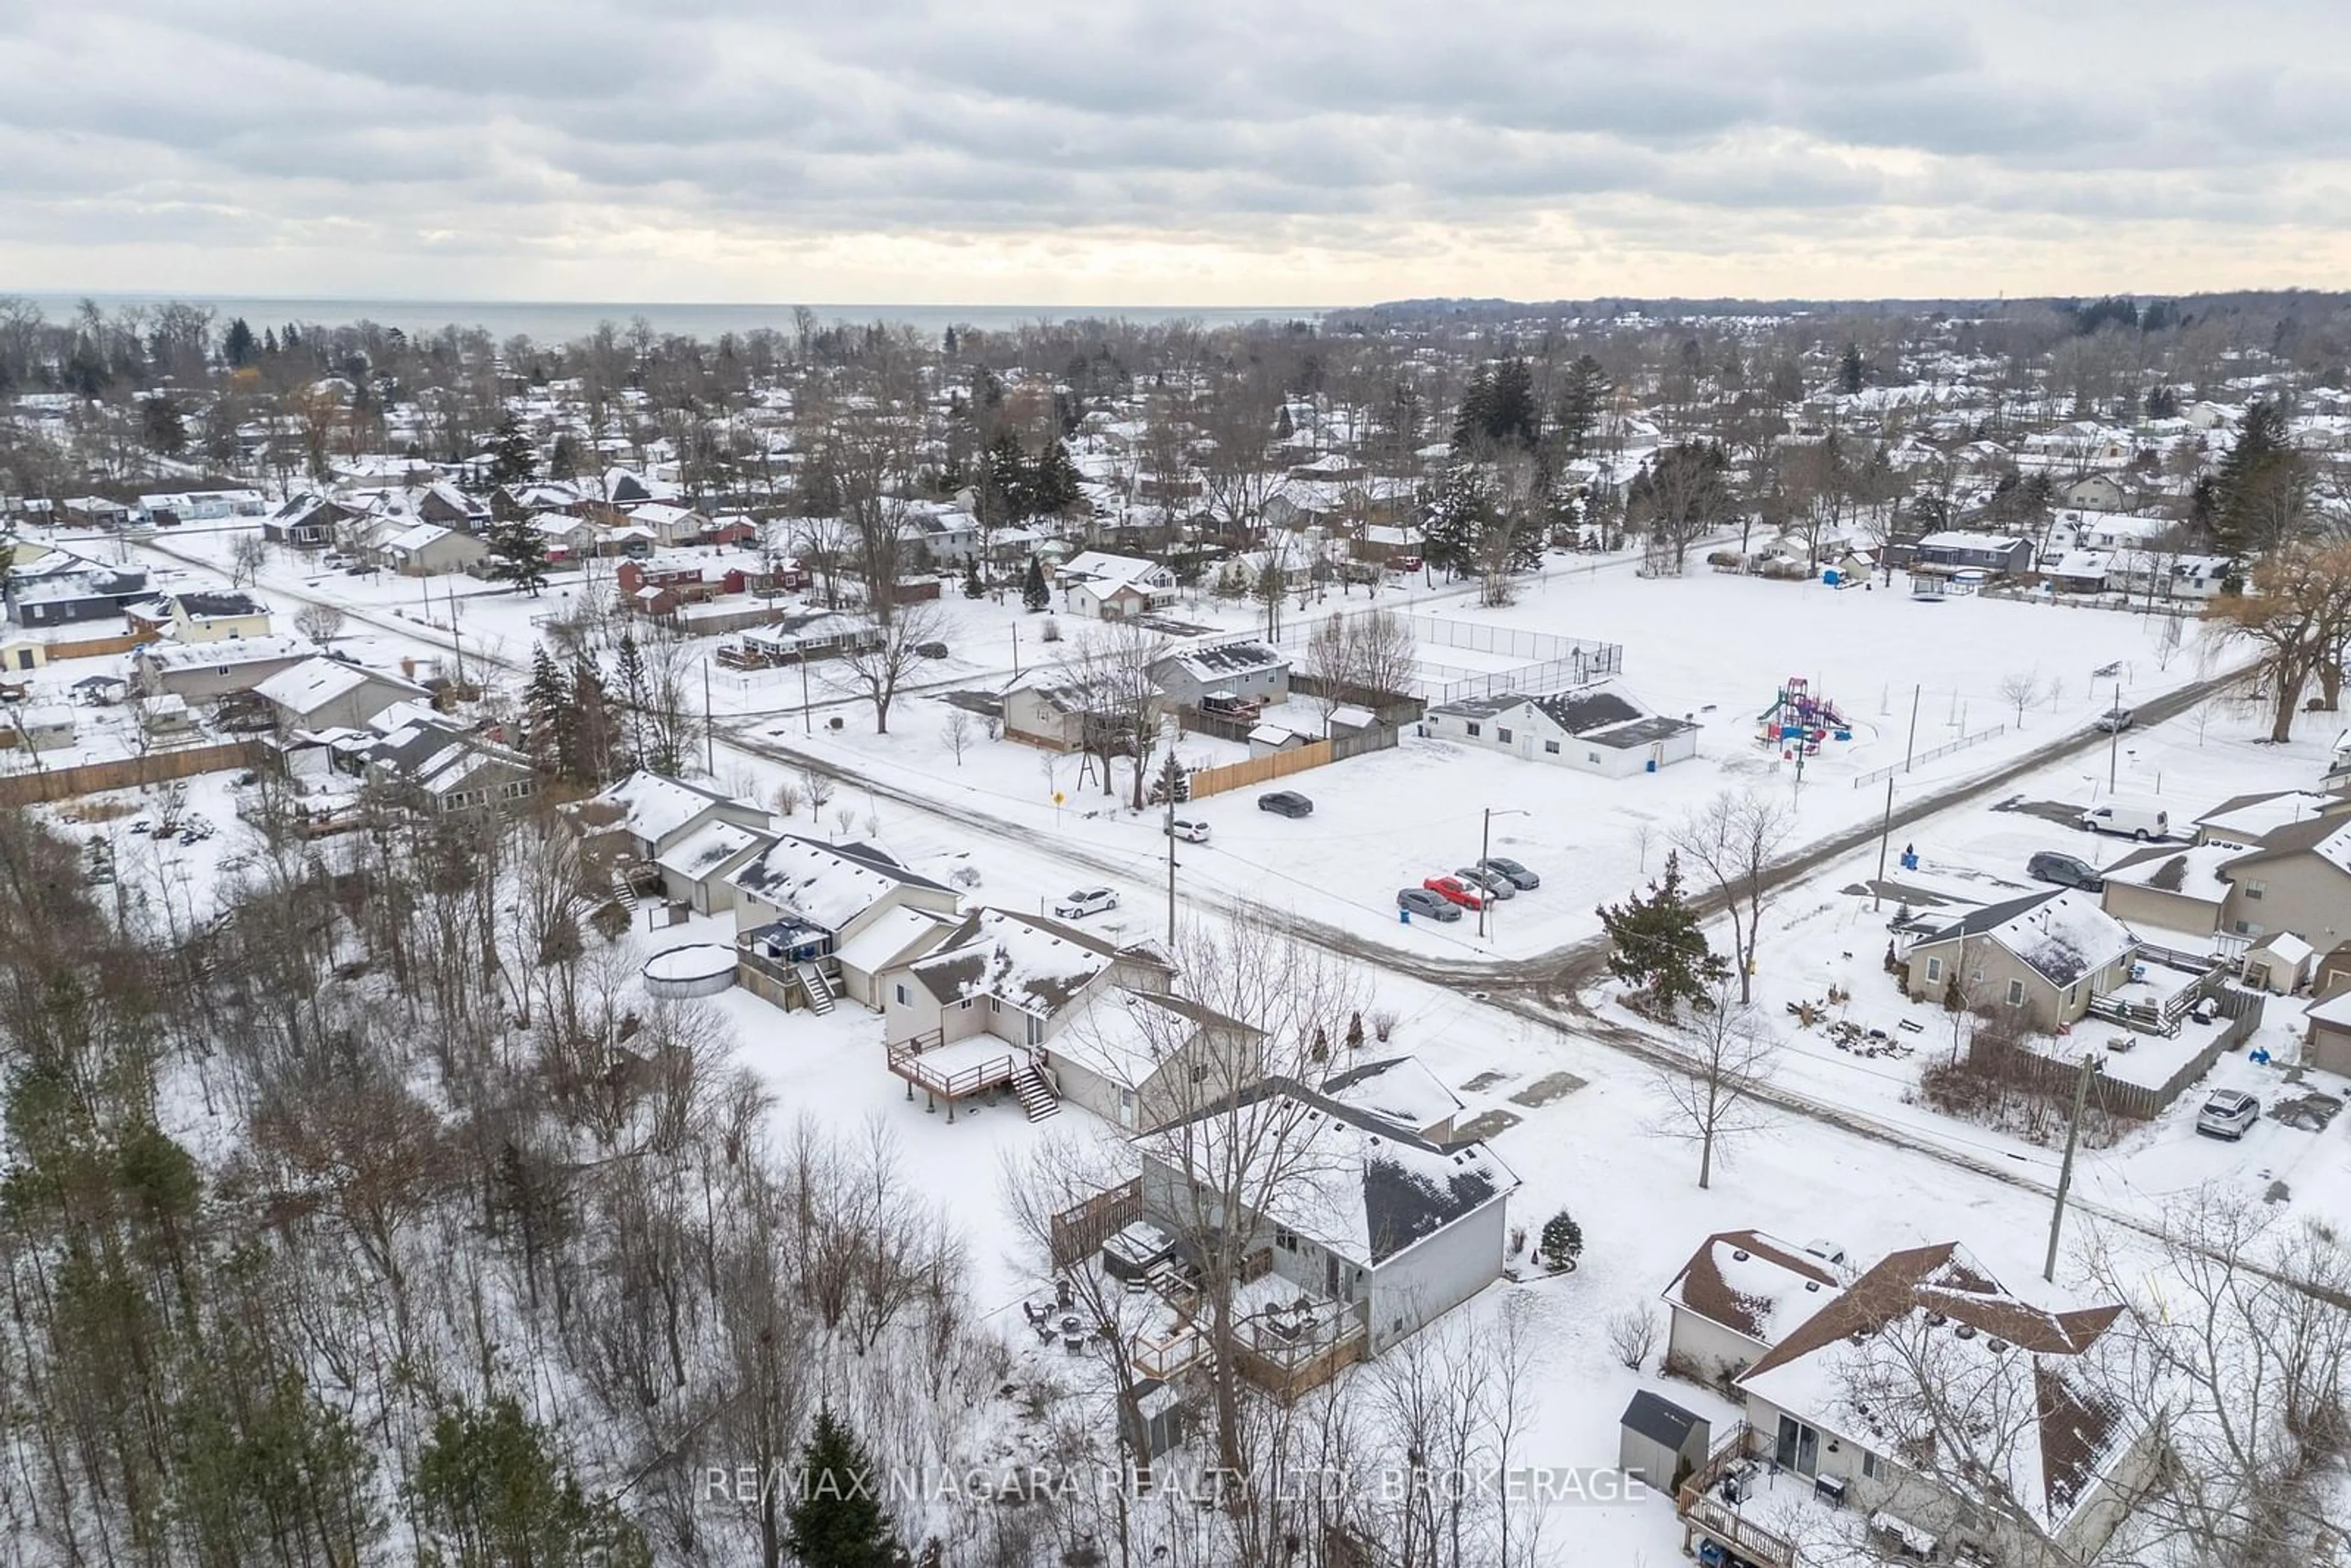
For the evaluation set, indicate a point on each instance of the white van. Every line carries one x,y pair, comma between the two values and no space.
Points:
2131,822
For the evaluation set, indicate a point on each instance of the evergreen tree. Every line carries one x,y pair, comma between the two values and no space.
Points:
237,346
490,1491
1005,488
1456,526
1852,372
972,586
947,342
836,1520
513,459
2261,485
547,710
1283,427
1657,944
1053,482
165,431
1562,1242
1582,399
588,726
563,457
1498,408
518,556
1034,591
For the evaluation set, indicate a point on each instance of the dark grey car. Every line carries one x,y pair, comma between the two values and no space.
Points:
1427,905
2064,870
1286,803
1518,875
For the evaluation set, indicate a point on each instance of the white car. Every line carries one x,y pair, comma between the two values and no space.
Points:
1189,830
2229,1114
1084,902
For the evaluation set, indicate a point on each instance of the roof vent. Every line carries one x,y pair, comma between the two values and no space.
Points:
1995,1346
1935,1319
1812,1285
1738,1255
1965,1331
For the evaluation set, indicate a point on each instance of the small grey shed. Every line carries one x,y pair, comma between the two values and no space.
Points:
1657,1438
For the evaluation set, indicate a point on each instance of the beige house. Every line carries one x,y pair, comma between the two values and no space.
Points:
1020,978
2044,955
2298,880
834,916
1858,1396
2326,1034
2171,889
428,550
1141,1058
1738,1295
193,618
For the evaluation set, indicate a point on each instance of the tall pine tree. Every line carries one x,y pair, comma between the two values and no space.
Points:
836,1520
513,459
547,716
1656,944
1034,591
517,556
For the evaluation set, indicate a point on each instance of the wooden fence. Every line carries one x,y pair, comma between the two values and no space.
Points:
2015,1064
155,767
1081,1230
1206,781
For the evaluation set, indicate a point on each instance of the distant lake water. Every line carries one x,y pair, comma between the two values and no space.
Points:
558,321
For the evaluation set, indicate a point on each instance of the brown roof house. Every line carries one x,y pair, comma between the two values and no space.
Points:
1950,1413
1738,1293
2044,955
1956,1420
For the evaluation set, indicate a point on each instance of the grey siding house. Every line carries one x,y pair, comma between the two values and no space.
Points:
1249,671
2044,955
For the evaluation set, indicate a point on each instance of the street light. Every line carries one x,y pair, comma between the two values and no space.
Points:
1485,850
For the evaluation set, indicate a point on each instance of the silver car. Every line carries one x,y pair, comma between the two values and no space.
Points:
1493,880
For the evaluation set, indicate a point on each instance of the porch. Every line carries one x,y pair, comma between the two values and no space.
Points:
956,1070
1714,1529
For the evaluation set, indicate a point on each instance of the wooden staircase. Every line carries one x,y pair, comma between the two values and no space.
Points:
1036,1096
624,892
818,988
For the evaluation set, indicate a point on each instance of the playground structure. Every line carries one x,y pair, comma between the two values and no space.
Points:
1798,722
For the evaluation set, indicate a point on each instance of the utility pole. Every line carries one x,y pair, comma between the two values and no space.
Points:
1910,747
709,730
1885,830
2090,1066
2114,738
1167,786
1016,652
808,713
1485,848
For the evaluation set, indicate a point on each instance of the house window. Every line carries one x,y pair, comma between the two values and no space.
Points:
2253,889
2069,993
2016,993
220,669
965,1004
1503,735
2242,928
1471,728
1551,748
1934,971
906,998
1592,758
1285,1238
1035,1032
1799,1448
1872,1468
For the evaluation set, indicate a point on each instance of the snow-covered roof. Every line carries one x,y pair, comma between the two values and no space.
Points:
1102,570
231,650
892,933
1031,962
819,883
706,849
1753,1284
416,537
2189,872
306,687
1964,539
1401,1090
1353,1183
655,806
2245,818
1933,1314
2061,935
1124,1035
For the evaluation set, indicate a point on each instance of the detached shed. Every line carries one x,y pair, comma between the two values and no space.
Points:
1658,1438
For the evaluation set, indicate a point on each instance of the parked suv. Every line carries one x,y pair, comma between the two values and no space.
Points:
2114,721
2229,1114
2065,871
1286,803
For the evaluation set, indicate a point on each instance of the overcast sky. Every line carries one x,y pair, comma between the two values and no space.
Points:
1107,152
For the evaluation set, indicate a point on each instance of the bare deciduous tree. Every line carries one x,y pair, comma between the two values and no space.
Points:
957,733
2021,689
321,622
1726,1056
1734,838
875,666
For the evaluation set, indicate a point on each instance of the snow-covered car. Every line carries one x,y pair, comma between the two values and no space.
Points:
2114,721
1493,881
1427,905
1191,829
2229,1114
1520,876
1084,902
1453,890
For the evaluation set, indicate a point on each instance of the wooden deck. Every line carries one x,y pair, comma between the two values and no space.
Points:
1705,1513
954,1071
